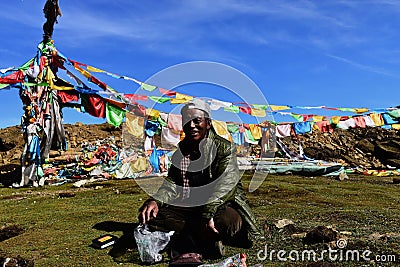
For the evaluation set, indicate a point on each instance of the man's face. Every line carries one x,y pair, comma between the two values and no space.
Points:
195,124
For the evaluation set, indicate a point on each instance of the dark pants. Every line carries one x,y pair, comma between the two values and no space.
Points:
191,233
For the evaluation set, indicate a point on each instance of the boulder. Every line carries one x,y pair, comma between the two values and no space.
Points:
320,234
366,146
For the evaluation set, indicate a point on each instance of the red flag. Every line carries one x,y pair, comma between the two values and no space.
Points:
117,103
306,117
94,105
68,96
134,97
15,77
98,82
167,92
246,110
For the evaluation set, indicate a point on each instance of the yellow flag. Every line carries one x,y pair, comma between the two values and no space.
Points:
276,108
318,118
361,110
153,113
377,119
221,129
258,112
315,127
90,68
50,77
83,72
180,99
139,165
396,126
256,131
135,125
336,119
184,97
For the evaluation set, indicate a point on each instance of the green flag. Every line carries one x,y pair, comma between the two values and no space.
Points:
249,137
258,106
162,122
233,128
297,117
114,114
148,87
159,99
234,109
26,65
395,113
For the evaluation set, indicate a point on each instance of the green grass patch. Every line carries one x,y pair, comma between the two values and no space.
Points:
58,231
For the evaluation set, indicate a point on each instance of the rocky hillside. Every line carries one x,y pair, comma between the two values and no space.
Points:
11,139
372,148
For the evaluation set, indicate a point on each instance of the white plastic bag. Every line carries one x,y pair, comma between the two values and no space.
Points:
238,260
151,243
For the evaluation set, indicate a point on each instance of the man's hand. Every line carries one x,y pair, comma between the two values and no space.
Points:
149,208
211,226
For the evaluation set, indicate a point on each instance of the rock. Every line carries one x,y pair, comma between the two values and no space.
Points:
282,223
388,150
10,231
396,180
377,236
15,262
393,162
345,233
299,235
366,146
343,176
320,234
66,194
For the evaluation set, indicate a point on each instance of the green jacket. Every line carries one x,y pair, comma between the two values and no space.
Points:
214,181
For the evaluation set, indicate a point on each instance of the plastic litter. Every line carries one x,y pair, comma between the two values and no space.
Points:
151,243
238,260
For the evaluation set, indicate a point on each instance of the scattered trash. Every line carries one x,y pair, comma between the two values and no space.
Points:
104,241
15,261
151,243
282,223
238,260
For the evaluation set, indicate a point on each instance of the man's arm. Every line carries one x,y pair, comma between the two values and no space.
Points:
165,194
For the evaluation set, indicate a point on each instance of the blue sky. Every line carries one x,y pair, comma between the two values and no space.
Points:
301,53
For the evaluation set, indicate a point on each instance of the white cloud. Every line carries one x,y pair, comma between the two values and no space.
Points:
364,67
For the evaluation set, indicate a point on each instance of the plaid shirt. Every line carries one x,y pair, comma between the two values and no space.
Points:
184,167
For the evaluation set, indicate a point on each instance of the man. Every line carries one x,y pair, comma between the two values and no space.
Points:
202,199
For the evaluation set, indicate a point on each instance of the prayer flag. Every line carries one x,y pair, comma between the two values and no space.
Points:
114,115
233,109
90,68
258,112
147,87
159,99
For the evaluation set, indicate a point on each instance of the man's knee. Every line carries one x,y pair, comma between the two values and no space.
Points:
228,221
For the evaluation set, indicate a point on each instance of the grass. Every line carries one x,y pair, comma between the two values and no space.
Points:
58,231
